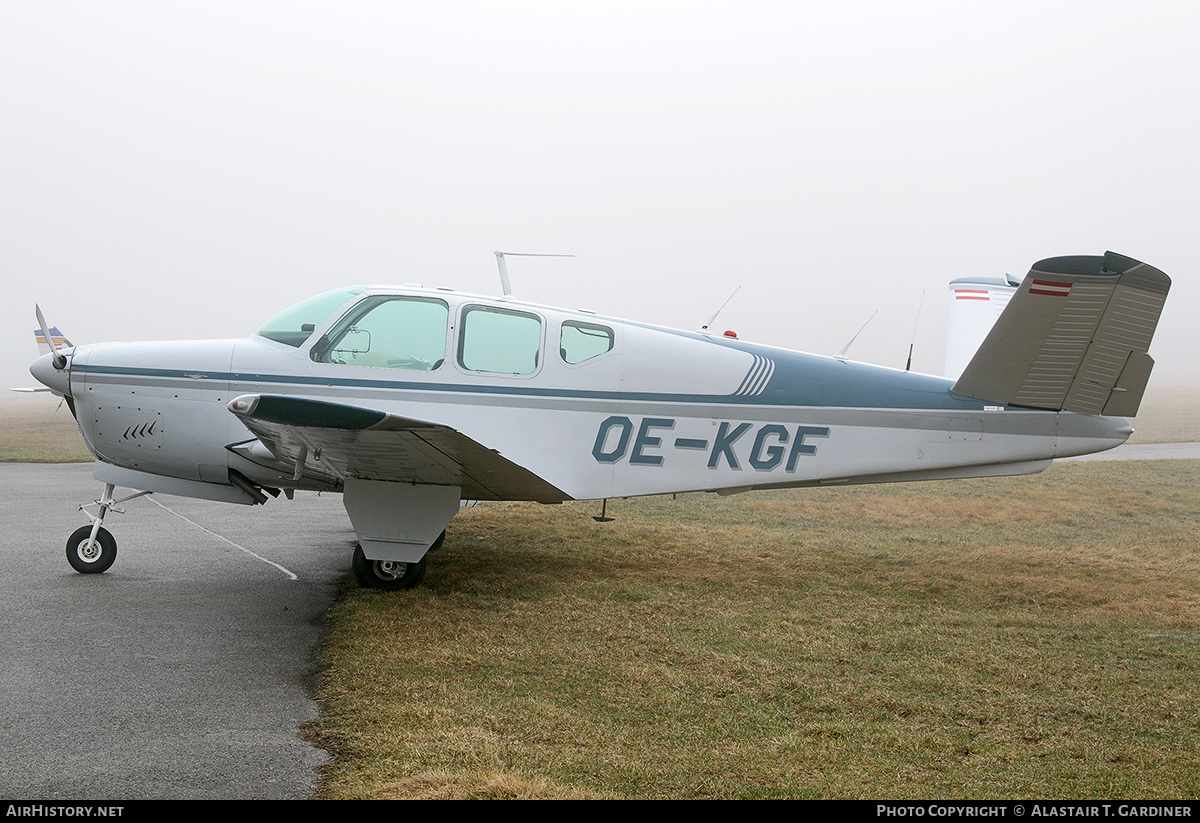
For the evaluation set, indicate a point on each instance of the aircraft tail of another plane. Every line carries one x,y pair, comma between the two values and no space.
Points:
1074,336
975,305
57,338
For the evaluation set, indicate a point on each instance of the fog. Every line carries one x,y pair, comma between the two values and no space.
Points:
178,170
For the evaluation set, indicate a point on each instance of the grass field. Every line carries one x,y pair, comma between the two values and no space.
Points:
1024,637
39,428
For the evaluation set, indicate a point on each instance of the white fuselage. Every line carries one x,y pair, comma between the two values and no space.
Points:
661,411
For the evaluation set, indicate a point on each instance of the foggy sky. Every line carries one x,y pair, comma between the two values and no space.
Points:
178,170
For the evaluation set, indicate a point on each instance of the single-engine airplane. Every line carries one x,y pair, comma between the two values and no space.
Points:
409,400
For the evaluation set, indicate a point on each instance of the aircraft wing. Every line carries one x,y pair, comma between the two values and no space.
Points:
355,442
1074,337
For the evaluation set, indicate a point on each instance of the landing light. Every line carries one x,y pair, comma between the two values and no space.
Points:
243,405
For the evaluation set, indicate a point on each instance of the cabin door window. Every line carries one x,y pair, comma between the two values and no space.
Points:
389,332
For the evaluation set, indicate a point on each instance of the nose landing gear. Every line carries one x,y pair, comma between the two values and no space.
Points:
92,549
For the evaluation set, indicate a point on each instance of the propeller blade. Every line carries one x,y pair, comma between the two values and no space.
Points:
59,360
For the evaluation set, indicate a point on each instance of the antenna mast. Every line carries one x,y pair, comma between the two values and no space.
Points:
913,342
505,285
704,328
842,354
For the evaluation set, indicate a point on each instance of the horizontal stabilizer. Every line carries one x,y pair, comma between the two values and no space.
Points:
1074,337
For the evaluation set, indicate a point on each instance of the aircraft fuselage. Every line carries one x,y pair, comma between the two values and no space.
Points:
659,411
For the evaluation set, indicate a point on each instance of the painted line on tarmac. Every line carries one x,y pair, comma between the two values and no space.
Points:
290,574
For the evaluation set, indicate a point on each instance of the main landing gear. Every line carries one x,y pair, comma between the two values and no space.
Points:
391,575
92,549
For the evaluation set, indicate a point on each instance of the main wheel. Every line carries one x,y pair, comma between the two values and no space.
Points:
88,556
389,575
437,544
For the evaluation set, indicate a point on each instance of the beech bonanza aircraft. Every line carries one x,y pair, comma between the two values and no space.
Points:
409,400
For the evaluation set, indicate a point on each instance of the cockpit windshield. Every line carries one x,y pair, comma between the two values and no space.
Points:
295,325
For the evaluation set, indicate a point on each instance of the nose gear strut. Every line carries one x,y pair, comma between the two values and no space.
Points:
92,549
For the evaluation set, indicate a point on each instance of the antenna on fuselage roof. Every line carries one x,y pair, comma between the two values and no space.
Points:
916,325
842,354
500,255
704,328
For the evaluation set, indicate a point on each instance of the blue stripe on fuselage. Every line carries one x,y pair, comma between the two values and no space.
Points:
798,380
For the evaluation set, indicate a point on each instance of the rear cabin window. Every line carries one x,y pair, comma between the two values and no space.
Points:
499,341
583,341
389,332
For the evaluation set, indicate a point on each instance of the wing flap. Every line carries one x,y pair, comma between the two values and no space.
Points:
1074,337
342,441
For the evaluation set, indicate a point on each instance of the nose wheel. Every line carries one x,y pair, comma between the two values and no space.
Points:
92,549
91,554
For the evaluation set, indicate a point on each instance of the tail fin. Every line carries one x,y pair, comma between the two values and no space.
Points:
975,304
1074,337
56,338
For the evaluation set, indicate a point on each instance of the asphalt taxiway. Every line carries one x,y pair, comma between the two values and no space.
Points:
186,669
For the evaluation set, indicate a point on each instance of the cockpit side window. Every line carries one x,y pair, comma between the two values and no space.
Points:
388,332
583,341
499,341
295,325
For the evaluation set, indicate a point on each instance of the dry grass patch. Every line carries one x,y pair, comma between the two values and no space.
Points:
1012,637
471,786
39,429
1168,414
